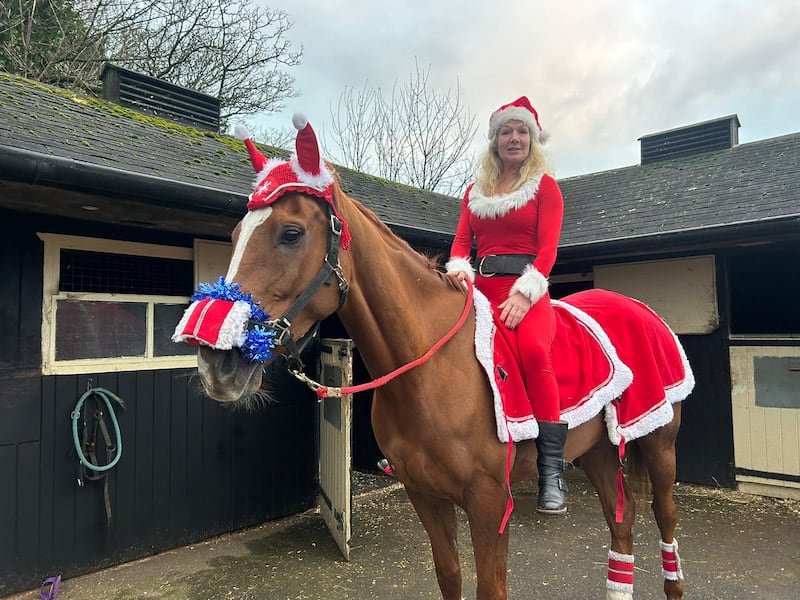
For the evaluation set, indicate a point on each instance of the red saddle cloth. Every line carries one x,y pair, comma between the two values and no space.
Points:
610,352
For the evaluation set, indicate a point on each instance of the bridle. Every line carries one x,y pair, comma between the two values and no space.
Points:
331,268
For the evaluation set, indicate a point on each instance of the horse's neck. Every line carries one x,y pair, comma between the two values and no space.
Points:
395,297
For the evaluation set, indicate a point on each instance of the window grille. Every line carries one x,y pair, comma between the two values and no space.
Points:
101,272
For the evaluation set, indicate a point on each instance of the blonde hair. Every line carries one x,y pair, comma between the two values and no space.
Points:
490,167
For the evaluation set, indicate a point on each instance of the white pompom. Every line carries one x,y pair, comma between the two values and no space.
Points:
299,120
240,132
544,136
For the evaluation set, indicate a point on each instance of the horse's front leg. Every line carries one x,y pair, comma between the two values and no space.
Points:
438,516
485,504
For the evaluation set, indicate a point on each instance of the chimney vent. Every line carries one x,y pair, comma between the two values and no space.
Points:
716,134
159,98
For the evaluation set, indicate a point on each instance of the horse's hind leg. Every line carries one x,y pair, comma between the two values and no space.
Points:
658,454
438,516
600,464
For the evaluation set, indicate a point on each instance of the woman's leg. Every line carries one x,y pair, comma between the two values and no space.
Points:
535,340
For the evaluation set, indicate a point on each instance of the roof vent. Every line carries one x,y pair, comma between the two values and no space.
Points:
717,134
159,98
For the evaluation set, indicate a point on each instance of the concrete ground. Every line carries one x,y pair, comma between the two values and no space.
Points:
733,546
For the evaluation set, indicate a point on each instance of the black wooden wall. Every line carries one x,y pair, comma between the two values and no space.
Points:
190,468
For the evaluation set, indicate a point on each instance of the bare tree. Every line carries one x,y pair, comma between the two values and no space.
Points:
355,127
231,49
416,136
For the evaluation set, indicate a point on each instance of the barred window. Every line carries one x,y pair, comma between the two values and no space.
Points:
113,305
104,272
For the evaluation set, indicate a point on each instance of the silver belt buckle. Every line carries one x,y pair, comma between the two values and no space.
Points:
480,267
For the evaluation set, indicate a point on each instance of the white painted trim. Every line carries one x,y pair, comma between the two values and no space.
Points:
89,244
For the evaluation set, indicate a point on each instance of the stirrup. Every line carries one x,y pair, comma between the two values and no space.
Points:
384,466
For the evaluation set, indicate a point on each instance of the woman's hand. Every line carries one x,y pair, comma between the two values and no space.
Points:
514,309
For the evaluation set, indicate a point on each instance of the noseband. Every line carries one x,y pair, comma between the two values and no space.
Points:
330,268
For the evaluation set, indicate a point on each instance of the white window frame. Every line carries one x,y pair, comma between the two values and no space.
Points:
53,245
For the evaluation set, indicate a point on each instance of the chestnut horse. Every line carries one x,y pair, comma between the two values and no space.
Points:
435,423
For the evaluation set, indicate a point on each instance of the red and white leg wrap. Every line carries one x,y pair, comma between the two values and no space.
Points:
620,572
671,561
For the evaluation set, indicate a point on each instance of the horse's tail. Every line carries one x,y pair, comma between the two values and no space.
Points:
637,478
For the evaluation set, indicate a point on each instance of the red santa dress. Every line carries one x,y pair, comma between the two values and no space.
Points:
526,221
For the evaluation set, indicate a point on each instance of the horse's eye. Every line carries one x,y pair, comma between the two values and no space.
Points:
291,236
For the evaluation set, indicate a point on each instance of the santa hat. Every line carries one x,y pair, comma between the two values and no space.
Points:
520,110
305,172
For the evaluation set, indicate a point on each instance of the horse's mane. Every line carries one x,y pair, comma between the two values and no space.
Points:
432,263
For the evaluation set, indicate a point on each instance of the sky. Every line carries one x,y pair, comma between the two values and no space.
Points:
600,73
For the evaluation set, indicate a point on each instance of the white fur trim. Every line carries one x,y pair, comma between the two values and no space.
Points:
514,113
662,413
234,328
299,120
627,558
658,416
531,284
460,264
177,335
484,351
491,207
240,132
319,182
673,547
611,389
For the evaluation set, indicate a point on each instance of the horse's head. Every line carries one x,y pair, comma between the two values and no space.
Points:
284,275
285,258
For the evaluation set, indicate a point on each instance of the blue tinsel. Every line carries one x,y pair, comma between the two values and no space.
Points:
259,342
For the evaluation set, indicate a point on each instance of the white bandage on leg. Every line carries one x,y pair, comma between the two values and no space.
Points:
620,575
671,561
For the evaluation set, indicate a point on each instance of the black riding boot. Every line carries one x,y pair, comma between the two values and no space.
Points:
552,487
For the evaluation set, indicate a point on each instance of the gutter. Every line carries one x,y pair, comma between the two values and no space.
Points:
719,236
35,168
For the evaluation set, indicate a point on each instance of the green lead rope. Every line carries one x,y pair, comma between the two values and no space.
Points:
107,397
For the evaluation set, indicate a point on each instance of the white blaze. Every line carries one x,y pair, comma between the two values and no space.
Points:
250,223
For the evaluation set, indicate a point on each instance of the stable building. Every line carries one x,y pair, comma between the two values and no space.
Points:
114,210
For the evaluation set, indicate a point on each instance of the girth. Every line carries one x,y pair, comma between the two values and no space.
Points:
504,264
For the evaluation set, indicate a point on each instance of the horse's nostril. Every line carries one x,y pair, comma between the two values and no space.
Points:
227,366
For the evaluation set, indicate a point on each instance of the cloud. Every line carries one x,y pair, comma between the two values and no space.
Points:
601,73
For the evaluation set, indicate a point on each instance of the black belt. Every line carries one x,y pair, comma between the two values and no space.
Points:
504,264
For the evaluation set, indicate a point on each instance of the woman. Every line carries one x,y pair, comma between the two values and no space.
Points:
514,211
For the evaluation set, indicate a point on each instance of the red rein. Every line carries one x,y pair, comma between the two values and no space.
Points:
325,391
